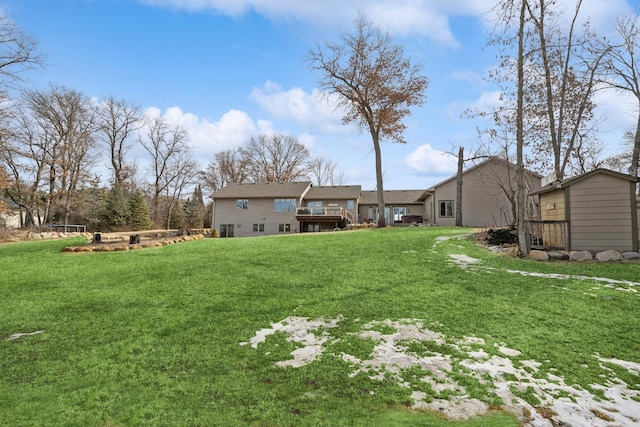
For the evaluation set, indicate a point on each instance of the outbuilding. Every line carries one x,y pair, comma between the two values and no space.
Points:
594,211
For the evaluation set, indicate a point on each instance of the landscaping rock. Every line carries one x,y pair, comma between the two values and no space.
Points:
539,255
558,256
580,256
608,256
631,255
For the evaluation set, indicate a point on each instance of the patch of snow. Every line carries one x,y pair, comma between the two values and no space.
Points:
22,334
391,357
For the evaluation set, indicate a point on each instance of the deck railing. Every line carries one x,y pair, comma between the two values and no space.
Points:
548,234
330,212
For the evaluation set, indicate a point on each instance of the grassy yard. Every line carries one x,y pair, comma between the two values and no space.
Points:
170,336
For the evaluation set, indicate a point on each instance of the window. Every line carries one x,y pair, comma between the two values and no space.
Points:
284,228
446,208
242,204
258,228
285,205
351,204
398,213
226,230
315,208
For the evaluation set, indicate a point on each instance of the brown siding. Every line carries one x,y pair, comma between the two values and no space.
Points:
552,206
601,214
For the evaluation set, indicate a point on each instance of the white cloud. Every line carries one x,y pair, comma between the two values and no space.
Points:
309,110
426,160
409,17
207,138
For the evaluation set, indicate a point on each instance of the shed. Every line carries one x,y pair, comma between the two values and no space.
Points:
594,211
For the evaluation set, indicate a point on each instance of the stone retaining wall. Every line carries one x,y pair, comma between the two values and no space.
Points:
581,256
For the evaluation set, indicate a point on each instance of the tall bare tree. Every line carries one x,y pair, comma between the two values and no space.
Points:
623,67
227,167
561,93
376,85
325,172
18,52
64,124
274,158
171,165
118,121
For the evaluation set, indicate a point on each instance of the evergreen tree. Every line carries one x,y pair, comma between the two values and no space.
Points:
139,218
116,212
176,220
192,216
199,202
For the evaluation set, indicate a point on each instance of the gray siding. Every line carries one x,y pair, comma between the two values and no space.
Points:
260,211
601,214
484,202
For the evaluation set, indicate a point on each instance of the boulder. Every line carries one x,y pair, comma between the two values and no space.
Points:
608,256
539,255
631,255
558,256
580,256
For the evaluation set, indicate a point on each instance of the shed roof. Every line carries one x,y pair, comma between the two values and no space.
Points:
346,192
263,190
393,197
574,179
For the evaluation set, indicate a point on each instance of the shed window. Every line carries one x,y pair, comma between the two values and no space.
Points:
446,208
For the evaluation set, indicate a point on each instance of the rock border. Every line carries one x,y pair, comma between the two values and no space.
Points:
124,246
582,256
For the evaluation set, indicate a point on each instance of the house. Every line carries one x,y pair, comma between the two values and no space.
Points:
328,207
401,207
9,214
241,210
258,209
488,195
595,211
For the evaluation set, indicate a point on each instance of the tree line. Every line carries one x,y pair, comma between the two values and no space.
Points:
549,67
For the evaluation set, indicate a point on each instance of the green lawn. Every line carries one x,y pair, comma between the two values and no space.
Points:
159,336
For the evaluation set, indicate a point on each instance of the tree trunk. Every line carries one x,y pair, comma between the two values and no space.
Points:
523,242
635,156
458,206
382,222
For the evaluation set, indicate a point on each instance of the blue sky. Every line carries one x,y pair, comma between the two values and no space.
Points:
228,69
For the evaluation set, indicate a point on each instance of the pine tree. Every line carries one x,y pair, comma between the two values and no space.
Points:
176,220
139,218
116,212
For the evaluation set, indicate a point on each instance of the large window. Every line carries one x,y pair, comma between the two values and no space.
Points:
242,204
285,205
284,228
226,230
315,208
398,213
446,208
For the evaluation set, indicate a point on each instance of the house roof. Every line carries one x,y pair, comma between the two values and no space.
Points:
477,166
393,197
262,190
345,192
572,180
9,203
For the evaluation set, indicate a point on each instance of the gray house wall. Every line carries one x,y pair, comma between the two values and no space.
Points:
259,211
601,214
484,202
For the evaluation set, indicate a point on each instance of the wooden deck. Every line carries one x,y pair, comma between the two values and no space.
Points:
330,214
